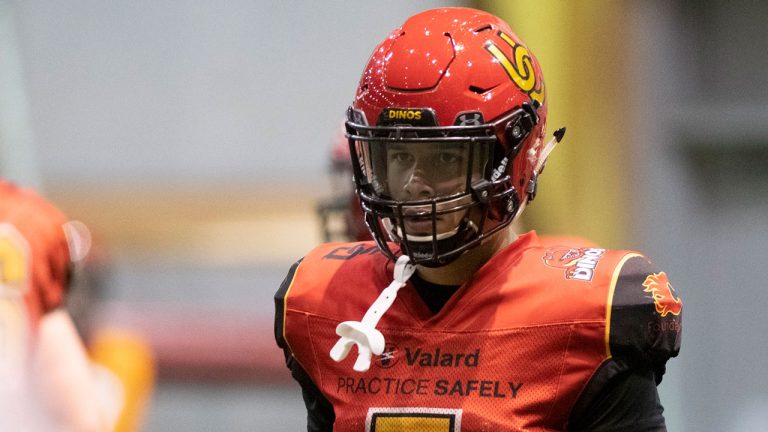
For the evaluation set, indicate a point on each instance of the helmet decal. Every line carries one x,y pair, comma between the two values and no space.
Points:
472,118
499,170
407,116
520,70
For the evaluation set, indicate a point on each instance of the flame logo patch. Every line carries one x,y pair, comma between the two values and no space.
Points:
663,294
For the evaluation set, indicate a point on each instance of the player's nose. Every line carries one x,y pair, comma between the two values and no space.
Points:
419,186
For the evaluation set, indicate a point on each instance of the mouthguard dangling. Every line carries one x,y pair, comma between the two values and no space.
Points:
363,333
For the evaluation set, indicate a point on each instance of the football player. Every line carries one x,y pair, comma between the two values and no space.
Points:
47,380
340,215
451,321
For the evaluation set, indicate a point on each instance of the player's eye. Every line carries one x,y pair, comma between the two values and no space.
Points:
401,157
449,158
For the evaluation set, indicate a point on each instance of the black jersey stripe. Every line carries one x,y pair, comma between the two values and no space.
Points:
280,297
610,303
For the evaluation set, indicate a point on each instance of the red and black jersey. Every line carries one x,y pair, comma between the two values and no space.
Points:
34,255
517,347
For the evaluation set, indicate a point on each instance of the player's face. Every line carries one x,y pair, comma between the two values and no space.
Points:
417,172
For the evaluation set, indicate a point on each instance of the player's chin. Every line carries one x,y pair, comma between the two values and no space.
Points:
419,227
424,229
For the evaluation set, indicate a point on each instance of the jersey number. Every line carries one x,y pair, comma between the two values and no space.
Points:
420,419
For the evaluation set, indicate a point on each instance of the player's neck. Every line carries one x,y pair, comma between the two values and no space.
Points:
459,271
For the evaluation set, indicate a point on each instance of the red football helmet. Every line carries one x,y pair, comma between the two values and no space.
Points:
340,215
446,132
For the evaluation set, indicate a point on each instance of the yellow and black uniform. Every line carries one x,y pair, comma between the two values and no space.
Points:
542,337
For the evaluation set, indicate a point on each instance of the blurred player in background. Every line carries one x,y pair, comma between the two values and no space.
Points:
47,380
481,328
121,356
340,215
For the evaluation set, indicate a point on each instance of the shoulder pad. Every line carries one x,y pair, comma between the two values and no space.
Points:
308,283
645,312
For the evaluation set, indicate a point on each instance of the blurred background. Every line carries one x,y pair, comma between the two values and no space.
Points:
194,139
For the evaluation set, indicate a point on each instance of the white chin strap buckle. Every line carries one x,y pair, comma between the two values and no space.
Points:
363,333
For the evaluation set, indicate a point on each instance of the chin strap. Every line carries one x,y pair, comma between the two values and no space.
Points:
363,333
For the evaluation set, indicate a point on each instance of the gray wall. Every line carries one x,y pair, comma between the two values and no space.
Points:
700,147
183,92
